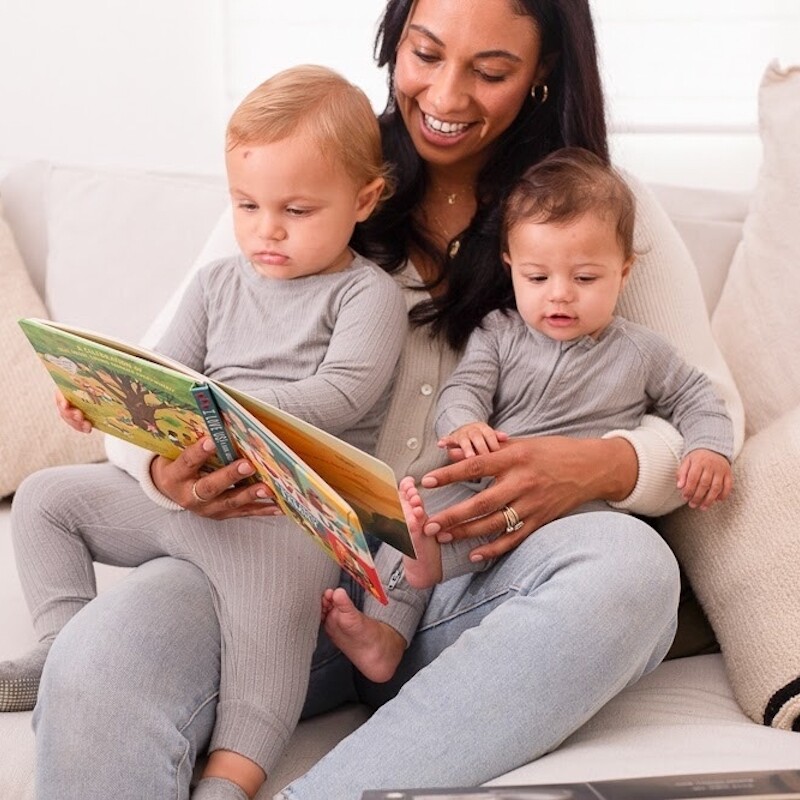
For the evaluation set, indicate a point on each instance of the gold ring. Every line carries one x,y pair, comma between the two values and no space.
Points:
513,522
196,496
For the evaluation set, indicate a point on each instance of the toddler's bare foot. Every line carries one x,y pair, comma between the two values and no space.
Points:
426,569
373,647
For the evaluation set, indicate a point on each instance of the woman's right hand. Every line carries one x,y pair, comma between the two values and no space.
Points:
216,494
71,415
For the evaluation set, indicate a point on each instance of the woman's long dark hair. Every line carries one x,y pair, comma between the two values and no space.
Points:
475,279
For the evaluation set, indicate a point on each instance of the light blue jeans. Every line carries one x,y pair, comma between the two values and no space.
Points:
505,665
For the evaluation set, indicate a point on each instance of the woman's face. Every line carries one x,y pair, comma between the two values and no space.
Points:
463,70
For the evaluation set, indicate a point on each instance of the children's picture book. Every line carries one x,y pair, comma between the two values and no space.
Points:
334,491
758,785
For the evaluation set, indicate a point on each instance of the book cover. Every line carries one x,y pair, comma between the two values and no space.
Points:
334,491
757,785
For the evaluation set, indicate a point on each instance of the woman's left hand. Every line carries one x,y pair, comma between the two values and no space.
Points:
539,478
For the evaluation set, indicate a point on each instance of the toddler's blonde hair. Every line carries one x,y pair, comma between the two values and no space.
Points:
319,102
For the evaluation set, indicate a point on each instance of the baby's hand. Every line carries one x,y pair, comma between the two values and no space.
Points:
704,477
71,415
473,439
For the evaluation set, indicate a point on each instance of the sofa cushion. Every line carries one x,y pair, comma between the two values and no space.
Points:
32,435
152,226
756,319
710,223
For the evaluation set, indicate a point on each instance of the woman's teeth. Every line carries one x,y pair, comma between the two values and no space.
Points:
445,128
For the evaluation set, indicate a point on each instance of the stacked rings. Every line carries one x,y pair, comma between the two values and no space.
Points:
513,522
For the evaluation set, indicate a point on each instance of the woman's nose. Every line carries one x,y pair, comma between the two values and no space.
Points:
448,91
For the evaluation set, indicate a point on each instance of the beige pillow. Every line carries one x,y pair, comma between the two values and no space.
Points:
742,558
757,319
32,435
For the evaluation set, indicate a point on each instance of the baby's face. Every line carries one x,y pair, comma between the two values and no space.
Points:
567,276
294,210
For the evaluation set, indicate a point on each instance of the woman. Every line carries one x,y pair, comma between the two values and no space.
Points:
570,615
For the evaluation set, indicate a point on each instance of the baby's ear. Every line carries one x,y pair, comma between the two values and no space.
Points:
368,198
626,269
506,261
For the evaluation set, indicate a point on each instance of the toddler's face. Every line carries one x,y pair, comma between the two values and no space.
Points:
293,210
567,276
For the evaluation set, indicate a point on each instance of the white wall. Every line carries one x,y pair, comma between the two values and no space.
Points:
107,82
151,83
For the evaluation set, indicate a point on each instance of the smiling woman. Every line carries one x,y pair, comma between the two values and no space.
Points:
573,607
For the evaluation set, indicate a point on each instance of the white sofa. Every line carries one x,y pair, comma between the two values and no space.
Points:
106,249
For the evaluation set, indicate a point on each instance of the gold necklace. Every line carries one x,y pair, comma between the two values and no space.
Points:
454,244
451,198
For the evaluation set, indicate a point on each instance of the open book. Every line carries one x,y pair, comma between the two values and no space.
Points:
757,785
333,490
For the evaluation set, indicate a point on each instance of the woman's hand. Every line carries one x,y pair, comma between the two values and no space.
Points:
71,415
215,495
540,478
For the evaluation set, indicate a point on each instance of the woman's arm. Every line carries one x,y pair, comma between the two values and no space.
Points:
665,295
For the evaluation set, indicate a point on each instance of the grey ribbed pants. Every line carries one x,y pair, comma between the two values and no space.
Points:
266,578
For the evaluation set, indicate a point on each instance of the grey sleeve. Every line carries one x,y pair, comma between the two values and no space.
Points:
359,363
685,396
468,394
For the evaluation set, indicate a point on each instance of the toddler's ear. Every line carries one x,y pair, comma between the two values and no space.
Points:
368,198
626,269
506,261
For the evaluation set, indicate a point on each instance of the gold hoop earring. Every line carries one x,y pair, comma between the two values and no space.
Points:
535,91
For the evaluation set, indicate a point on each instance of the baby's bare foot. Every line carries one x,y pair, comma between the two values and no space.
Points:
373,647
426,569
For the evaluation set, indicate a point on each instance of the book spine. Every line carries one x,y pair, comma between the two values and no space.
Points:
207,406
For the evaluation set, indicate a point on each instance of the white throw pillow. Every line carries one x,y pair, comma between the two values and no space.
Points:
32,435
756,321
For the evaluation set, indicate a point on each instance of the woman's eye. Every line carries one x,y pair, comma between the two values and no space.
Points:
428,58
489,77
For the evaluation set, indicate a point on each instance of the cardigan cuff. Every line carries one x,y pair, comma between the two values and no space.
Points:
659,449
136,462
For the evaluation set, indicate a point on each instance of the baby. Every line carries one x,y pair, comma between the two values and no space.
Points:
561,363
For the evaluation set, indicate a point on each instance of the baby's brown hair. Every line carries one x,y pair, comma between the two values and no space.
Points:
566,184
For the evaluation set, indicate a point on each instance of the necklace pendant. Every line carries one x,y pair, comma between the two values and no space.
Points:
451,199
454,248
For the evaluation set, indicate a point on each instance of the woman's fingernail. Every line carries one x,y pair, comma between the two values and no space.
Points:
261,493
432,528
429,482
245,468
208,446
444,538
